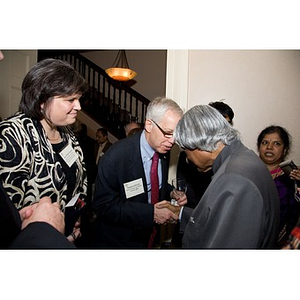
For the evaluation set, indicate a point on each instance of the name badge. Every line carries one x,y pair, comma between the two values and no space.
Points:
73,201
134,188
76,202
69,155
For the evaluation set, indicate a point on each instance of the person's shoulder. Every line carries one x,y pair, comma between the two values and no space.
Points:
15,118
245,161
17,122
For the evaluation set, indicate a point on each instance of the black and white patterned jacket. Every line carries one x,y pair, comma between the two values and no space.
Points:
30,169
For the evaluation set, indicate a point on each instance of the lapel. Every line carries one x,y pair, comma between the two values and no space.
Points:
136,168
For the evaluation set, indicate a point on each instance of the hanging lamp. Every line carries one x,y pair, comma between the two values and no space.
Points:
120,70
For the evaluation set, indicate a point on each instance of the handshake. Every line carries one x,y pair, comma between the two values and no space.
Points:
165,212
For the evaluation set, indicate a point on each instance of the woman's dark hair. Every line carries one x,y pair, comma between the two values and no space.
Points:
282,132
47,79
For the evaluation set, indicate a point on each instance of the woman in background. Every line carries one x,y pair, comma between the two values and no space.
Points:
273,145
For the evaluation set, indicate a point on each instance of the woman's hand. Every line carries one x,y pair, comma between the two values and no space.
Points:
295,174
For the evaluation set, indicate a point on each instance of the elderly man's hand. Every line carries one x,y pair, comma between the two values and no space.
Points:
165,212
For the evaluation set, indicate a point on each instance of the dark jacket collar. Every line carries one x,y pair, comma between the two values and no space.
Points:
225,153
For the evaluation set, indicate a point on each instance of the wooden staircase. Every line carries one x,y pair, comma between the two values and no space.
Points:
110,103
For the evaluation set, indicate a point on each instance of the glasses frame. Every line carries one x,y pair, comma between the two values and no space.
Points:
166,134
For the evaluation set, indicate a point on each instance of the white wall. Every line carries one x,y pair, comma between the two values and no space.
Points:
13,68
261,86
177,82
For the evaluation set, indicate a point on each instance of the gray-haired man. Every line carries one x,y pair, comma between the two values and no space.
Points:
240,208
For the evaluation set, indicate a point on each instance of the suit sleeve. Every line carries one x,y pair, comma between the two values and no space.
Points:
40,235
15,162
110,202
233,216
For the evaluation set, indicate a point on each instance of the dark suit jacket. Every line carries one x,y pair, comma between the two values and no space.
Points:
41,235
124,223
10,220
35,236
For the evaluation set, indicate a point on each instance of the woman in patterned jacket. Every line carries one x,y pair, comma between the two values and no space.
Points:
39,154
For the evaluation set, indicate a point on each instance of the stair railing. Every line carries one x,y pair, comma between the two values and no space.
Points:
110,103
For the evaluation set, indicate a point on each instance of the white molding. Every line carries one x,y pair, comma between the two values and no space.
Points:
177,78
177,84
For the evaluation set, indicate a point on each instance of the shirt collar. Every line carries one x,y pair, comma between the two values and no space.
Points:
146,150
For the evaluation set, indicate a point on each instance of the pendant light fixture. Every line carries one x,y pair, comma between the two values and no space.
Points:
120,70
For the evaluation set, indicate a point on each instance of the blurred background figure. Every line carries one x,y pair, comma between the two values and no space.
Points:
224,109
103,143
130,126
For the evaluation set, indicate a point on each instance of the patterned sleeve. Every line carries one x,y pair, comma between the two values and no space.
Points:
15,160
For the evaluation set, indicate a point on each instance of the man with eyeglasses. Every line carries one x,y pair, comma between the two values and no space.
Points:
127,218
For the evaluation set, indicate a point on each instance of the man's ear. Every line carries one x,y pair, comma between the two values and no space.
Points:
148,125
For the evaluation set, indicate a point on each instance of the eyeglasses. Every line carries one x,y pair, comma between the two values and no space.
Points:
166,134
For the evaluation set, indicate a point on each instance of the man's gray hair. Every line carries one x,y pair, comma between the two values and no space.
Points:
203,127
159,106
